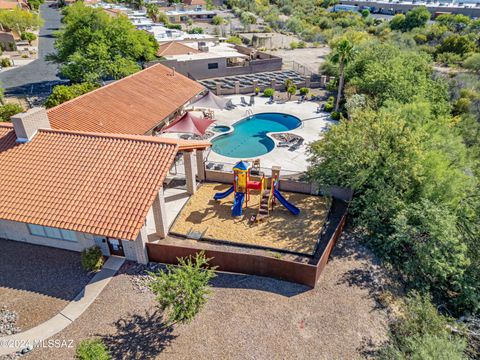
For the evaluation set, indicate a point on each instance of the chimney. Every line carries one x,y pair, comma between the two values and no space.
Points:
27,124
173,71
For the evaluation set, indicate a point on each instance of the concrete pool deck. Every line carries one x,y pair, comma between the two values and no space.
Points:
292,162
313,125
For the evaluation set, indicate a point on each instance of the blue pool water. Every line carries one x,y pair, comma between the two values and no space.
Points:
220,128
249,138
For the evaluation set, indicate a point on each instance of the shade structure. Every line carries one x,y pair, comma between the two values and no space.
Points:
211,101
188,124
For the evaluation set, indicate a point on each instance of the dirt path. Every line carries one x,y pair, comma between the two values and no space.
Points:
247,317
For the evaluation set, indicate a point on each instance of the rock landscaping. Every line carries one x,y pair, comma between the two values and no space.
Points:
8,322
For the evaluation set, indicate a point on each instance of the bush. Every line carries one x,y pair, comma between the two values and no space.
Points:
5,62
173,26
420,38
92,349
195,30
257,90
304,91
234,40
302,45
182,290
292,90
335,115
28,36
8,110
217,20
448,58
472,62
92,259
268,92
329,107
422,333
62,93
294,45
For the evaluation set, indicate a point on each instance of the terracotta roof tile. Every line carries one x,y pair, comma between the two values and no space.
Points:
132,105
175,48
101,184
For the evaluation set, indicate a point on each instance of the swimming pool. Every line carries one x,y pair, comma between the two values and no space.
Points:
220,128
249,137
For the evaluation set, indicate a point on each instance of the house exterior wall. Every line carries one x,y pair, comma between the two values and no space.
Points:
17,231
198,69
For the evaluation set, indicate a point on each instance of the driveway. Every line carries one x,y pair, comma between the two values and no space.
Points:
39,76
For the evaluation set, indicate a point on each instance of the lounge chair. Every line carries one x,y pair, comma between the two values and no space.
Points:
243,102
252,100
210,165
320,108
218,167
297,144
230,105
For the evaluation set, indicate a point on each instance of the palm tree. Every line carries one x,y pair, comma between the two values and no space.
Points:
344,52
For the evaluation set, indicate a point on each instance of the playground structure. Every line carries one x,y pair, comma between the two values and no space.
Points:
242,184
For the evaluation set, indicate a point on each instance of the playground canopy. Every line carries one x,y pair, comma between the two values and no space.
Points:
188,124
211,101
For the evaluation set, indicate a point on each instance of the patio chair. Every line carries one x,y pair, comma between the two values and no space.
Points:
243,102
218,167
210,165
252,100
230,105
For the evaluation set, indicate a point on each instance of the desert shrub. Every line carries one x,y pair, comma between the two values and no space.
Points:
335,115
173,26
302,45
28,36
183,290
422,333
92,259
472,62
304,91
294,45
92,349
420,38
5,62
292,90
195,30
268,92
234,40
8,110
217,20
448,58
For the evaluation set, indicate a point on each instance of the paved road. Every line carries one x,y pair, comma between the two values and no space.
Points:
38,76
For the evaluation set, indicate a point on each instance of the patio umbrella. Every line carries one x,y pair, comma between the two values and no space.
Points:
211,101
188,124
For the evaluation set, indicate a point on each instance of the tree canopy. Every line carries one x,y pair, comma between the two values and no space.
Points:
93,46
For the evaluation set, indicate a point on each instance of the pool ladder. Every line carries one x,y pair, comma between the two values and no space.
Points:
249,112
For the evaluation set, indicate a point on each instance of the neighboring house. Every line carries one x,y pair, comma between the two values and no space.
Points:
194,5
204,60
73,190
196,14
137,104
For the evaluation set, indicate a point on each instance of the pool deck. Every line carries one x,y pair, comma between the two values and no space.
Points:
313,125
292,162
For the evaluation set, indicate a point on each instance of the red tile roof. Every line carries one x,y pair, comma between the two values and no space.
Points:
100,184
175,48
133,105
194,2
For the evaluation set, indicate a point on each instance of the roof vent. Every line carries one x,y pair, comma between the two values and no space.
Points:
27,124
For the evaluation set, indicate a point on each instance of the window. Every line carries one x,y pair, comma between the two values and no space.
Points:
52,233
212,66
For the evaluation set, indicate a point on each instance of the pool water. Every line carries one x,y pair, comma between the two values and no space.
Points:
249,137
220,128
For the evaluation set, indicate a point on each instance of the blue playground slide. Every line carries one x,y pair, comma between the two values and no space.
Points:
238,204
224,194
292,208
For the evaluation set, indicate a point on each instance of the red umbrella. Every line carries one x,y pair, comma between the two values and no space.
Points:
189,124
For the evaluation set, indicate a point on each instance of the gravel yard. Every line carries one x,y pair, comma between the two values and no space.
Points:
37,282
247,317
281,230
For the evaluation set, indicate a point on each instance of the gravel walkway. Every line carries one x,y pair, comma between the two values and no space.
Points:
37,282
247,317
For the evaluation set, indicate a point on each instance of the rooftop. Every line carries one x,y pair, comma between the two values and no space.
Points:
132,105
215,51
100,184
175,48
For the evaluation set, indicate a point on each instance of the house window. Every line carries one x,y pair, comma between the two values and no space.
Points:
52,233
212,66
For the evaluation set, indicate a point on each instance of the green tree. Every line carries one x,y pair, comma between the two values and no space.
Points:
418,17
292,90
19,20
247,19
183,290
28,36
8,110
343,53
35,4
62,93
93,46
